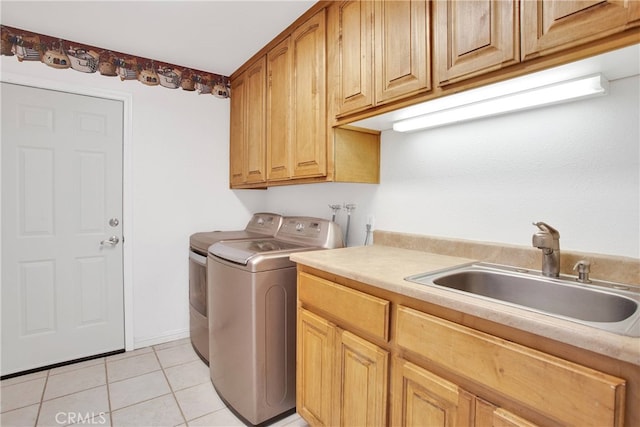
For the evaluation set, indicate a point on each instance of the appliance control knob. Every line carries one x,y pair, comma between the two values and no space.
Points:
299,226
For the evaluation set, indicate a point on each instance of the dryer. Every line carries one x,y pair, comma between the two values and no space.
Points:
260,225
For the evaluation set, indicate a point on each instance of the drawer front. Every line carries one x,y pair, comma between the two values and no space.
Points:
347,307
562,390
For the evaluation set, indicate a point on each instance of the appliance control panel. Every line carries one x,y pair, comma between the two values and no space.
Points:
265,223
311,231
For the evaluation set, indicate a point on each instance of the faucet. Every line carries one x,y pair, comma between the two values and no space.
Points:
548,239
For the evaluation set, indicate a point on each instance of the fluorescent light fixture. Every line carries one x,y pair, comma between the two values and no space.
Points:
555,93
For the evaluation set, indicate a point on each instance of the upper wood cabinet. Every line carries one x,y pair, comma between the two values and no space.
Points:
349,60
402,49
237,132
279,128
296,99
248,124
549,26
352,26
475,37
382,52
279,118
309,94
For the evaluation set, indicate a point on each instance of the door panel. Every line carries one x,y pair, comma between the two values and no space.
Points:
279,118
402,49
355,50
62,281
550,26
476,37
308,152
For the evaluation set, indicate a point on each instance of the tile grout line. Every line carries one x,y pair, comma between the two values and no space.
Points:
46,382
106,379
173,394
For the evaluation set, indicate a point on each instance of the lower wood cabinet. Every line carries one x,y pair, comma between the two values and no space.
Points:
422,398
315,366
341,378
565,392
487,414
360,382
358,367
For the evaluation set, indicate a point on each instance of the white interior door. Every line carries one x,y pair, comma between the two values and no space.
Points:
62,272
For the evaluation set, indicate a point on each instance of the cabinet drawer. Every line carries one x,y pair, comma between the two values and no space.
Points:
564,391
346,306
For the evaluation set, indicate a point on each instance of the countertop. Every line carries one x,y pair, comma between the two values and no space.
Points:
386,267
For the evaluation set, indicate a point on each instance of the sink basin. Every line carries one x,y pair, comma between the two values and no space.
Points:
605,305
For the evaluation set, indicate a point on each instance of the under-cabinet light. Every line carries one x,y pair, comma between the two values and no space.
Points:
564,91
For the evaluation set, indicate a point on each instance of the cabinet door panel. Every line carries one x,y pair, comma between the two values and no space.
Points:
309,143
424,399
403,54
355,50
549,26
236,132
474,37
279,111
490,415
314,368
361,376
256,122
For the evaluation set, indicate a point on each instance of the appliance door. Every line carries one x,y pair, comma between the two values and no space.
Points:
198,322
198,282
252,338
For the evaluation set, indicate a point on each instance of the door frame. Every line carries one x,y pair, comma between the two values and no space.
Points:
127,174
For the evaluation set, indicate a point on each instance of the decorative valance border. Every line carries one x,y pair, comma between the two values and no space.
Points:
62,54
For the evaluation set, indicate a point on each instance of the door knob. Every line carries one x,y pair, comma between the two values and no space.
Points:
111,241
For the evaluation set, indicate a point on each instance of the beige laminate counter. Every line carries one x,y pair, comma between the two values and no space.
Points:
386,267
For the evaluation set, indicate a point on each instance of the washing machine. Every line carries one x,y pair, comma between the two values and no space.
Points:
252,322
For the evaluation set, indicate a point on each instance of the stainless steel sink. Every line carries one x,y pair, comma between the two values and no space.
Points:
605,305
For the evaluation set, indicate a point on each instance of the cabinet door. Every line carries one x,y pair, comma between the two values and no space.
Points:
421,398
549,26
309,144
314,368
236,132
255,137
488,414
361,378
402,49
475,37
279,111
355,55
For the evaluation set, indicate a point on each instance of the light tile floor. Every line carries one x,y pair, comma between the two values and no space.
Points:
162,385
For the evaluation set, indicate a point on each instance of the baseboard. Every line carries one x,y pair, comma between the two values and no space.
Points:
160,339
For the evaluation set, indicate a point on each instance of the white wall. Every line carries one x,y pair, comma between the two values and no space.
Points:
179,185
575,166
